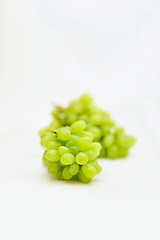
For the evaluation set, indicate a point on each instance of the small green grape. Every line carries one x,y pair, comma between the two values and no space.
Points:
62,150
89,170
69,144
113,152
67,159
74,139
83,143
97,166
123,152
81,158
53,145
46,139
78,126
59,174
96,131
66,173
53,167
119,131
86,99
74,150
84,117
107,121
82,177
63,134
43,131
106,130
108,140
91,155
76,107
45,161
74,169
96,119
95,147
125,141
71,118
87,134
102,152
52,155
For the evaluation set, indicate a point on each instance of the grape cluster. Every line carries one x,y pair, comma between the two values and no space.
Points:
115,143
70,152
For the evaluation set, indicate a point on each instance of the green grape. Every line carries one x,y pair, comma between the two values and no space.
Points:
107,121
52,155
81,158
74,139
66,173
46,139
96,119
85,99
90,154
55,124
82,177
74,169
123,152
62,150
84,117
59,174
53,167
131,140
125,141
53,145
45,161
67,159
89,170
44,135
113,152
92,109
96,132
43,131
106,130
69,144
102,152
78,126
76,107
71,118
95,147
97,166
63,134
61,164
74,150
87,134
119,131
83,143
108,140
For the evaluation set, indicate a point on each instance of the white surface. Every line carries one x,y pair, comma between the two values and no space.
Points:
52,51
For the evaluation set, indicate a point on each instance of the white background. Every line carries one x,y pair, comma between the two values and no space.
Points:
51,52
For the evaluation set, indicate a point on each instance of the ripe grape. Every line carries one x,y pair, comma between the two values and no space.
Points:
81,158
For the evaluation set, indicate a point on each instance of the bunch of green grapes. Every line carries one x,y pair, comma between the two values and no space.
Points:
115,143
70,152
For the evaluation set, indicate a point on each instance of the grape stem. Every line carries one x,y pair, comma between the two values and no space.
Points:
54,131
